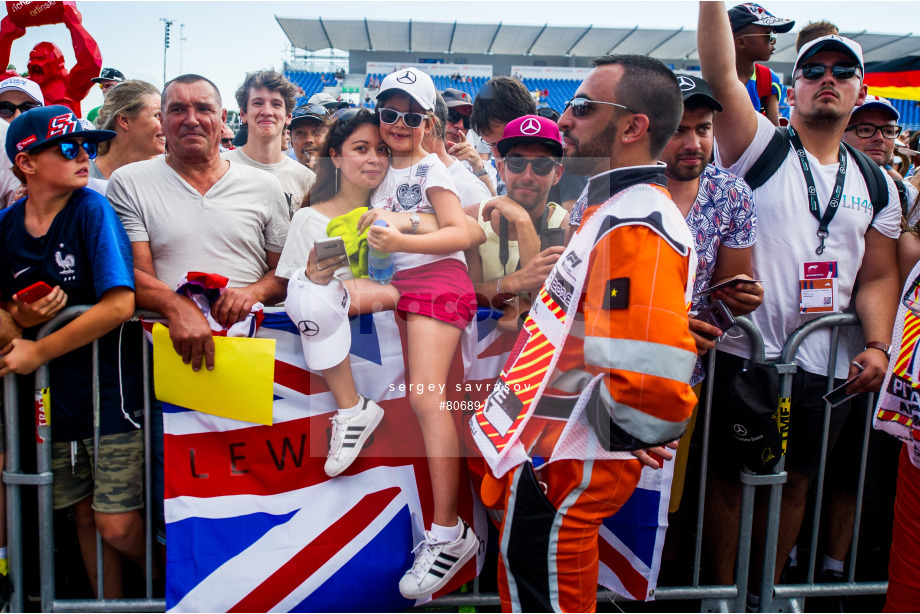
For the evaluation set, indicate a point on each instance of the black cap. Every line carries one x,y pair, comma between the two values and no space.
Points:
750,14
109,74
313,112
694,87
241,136
459,101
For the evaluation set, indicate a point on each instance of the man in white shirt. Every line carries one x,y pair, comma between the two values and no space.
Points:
470,189
266,102
830,240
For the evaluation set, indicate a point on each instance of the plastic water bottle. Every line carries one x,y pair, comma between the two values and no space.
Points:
379,264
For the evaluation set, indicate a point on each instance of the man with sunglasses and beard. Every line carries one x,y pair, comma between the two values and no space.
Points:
820,231
511,263
602,365
754,30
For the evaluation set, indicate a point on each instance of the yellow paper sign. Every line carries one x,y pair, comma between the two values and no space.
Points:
239,387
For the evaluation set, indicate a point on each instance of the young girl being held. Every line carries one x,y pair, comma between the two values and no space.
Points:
436,295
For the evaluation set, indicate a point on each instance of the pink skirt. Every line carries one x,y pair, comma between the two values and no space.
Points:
441,290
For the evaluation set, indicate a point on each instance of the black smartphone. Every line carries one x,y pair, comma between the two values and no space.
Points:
329,248
839,394
718,315
552,237
731,282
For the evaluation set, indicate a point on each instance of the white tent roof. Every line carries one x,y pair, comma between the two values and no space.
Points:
423,36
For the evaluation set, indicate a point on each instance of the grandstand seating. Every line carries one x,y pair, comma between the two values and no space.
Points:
910,113
310,82
560,90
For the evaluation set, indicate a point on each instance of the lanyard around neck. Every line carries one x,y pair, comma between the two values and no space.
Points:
831,210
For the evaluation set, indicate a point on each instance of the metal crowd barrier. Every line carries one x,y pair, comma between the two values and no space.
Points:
15,479
712,598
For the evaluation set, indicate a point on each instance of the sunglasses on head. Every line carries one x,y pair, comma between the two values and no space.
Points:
391,116
70,149
581,106
8,109
548,113
541,166
813,72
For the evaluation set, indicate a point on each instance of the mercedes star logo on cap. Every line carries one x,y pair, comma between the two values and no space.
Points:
685,83
407,78
530,126
308,327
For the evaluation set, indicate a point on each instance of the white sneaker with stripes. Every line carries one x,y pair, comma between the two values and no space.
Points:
436,562
349,436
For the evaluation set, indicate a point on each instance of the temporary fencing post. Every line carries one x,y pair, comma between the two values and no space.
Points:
787,369
45,492
148,471
822,462
13,478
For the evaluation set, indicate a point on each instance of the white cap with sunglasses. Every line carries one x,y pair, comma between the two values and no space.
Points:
416,84
26,86
831,43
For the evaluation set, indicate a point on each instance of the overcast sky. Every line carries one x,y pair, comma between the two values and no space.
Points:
226,39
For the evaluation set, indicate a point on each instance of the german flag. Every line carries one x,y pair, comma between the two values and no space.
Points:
898,79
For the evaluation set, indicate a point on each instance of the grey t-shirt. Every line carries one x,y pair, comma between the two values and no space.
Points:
226,231
296,179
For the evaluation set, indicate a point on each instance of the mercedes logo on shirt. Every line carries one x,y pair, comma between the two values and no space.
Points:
308,327
407,78
685,83
740,431
530,126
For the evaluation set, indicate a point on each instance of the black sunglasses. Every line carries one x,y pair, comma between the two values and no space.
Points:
813,72
391,116
581,106
454,117
227,141
8,109
541,166
70,149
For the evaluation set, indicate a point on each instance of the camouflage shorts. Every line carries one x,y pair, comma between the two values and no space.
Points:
119,485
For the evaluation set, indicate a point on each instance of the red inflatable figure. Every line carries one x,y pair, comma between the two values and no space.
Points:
46,62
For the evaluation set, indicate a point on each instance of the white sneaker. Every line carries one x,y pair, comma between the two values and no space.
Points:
349,436
436,562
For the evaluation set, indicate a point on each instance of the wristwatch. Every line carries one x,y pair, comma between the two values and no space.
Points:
415,219
482,171
878,345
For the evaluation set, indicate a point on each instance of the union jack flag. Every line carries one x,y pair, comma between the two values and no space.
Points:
254,524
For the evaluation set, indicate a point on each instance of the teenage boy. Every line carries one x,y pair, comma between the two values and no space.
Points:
68,238
266,101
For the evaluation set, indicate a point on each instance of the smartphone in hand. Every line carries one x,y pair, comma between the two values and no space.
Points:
34,292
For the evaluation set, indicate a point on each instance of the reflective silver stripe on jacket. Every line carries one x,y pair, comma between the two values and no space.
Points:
640,357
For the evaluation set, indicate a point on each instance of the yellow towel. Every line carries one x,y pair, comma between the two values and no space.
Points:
346,226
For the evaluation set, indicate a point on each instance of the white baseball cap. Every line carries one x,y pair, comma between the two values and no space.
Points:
415,83
27,86
877,102
831,43
321,315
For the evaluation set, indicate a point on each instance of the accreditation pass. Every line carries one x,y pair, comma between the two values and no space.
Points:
818,292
